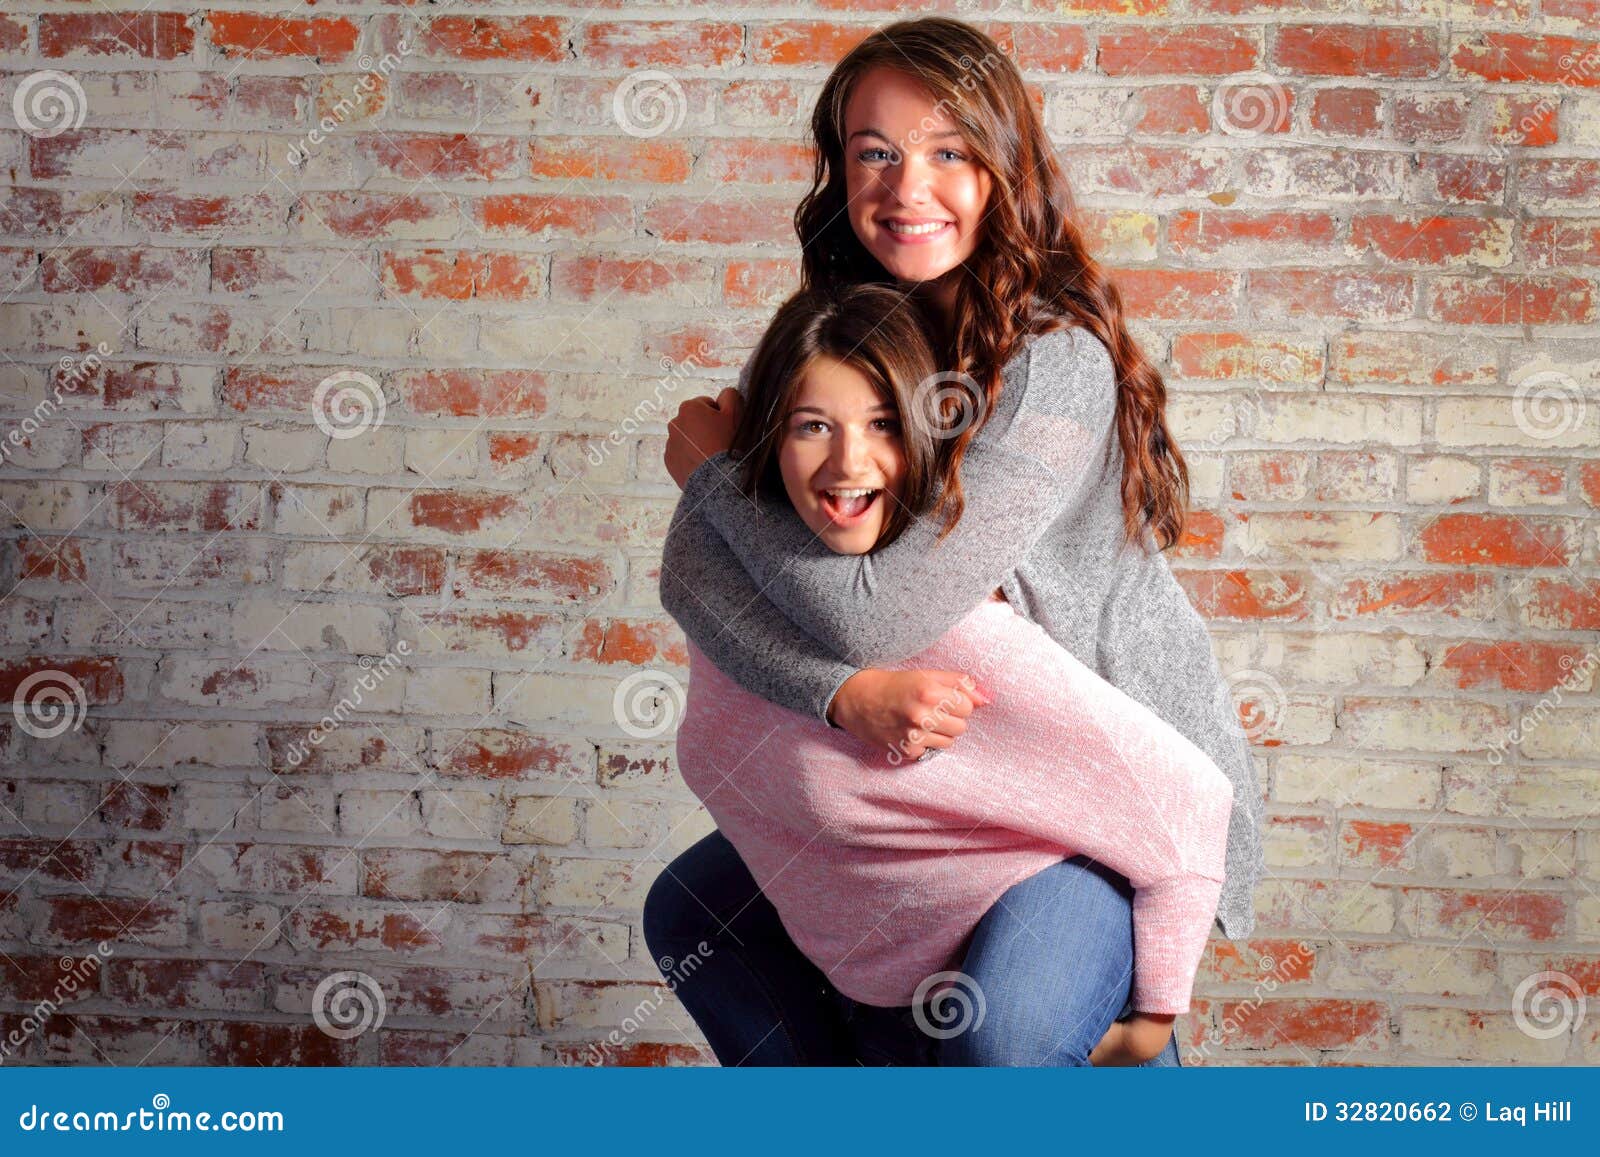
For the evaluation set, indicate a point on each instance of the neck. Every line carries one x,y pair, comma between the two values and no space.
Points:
939,296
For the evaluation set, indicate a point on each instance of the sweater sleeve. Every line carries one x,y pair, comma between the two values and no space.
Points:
885,606
703,587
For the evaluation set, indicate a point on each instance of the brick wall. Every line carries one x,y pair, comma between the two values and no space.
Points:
333,512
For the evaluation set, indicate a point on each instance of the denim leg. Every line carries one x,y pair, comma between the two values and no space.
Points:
1053,962
755,996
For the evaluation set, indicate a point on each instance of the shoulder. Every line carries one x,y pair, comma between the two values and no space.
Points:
1070,373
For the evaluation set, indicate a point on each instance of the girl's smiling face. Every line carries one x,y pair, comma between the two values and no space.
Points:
906,165
840,434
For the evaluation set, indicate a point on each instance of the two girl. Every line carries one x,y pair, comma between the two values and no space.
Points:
1061,487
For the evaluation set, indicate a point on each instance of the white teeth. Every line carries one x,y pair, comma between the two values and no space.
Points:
896,227
851,493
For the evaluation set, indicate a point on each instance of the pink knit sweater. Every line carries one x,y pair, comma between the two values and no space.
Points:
880,867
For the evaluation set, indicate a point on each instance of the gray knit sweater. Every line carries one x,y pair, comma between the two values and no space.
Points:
787,618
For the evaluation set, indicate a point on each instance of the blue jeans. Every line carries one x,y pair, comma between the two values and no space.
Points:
1050,966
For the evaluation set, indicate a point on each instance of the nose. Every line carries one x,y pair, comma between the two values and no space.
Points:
908,179
848,454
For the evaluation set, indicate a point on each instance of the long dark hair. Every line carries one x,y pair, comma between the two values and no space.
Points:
882,332
1032,274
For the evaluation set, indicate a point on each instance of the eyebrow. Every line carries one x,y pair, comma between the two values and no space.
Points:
824,413
876,133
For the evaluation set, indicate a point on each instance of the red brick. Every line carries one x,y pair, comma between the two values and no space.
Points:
51,560
624,158
1347,112
147,35
457,513
1245,594
1512,300
1496,540
1184,50
632,643
272,36
475,393
101,679
1521,59
1356,50
536,39
1565,604
552,578
462,275
1306,1024
800,42
442,156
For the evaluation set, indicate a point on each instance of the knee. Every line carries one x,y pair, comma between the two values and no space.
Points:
671,916
1019,1042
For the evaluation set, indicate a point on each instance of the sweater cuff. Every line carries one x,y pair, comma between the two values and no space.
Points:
1159,998
842,675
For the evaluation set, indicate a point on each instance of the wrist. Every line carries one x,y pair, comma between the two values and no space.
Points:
839,705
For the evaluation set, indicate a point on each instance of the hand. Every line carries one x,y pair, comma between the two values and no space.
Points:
701,429
1134,1041
906,711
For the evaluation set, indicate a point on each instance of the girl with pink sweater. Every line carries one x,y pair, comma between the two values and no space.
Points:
881,866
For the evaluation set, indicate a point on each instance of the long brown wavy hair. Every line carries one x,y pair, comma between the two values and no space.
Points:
1030,273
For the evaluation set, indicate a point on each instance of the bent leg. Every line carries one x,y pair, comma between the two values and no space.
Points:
1053,963
722,949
